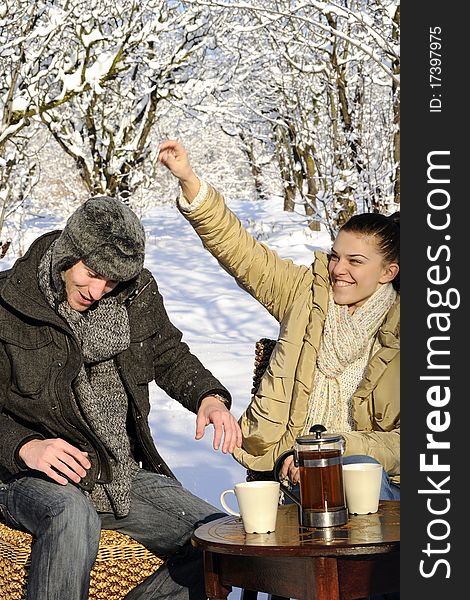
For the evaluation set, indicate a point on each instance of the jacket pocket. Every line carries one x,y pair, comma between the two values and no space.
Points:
29,350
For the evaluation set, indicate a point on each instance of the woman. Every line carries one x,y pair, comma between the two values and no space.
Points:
336,361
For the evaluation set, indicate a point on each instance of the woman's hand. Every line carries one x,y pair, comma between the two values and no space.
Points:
290,470
173,155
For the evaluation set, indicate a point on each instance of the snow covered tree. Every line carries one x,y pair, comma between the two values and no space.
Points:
48,55
325,78
308,91
156,45
41,66
19,172
21,68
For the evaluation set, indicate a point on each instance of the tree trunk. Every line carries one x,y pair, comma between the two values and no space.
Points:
285,169
249,150
312,189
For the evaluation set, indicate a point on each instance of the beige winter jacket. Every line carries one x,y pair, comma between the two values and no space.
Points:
297,296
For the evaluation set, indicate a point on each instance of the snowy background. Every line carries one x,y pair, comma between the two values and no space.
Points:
219,321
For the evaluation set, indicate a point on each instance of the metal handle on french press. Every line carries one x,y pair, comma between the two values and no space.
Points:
277,471
317,430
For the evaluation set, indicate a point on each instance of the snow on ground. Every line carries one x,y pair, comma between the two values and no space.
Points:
219,321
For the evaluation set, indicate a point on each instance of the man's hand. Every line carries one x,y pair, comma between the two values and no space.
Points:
290,470
173,155
55,456
212,410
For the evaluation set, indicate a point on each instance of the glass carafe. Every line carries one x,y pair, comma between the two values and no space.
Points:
319,457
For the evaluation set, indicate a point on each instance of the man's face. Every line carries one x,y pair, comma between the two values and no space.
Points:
84,287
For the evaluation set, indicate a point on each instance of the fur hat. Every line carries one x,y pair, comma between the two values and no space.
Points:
106,235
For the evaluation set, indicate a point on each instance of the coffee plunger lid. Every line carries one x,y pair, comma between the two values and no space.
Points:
318,436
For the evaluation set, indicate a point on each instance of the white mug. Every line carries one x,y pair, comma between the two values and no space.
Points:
362,487
258,502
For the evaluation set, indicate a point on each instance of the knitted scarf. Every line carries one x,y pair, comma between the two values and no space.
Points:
346,345
102,332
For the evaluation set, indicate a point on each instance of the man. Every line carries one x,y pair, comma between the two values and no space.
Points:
83,331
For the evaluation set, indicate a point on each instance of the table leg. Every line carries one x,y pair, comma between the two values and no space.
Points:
322,582
214,589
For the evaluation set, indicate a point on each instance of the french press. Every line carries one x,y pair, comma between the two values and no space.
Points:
319,457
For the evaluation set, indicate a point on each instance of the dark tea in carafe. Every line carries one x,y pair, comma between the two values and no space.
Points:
319,457
321,480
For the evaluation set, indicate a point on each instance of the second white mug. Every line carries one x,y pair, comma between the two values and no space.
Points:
258,502
362,487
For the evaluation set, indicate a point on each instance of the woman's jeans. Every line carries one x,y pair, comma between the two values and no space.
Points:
66,530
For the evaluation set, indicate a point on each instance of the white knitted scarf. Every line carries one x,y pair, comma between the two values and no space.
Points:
345,347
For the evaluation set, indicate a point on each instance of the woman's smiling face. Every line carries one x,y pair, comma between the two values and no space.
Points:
357,269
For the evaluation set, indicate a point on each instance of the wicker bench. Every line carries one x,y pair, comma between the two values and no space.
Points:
121,564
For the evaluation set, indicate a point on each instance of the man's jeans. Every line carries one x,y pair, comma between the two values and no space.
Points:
66,530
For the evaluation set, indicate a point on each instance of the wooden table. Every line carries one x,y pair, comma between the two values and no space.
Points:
350,561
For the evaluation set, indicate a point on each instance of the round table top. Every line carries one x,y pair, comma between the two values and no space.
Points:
363,534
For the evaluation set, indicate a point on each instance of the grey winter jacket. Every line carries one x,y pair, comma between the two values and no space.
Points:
40,358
